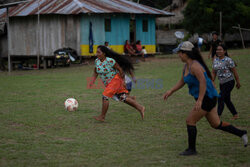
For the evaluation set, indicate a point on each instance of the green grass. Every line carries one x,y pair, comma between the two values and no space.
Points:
35,129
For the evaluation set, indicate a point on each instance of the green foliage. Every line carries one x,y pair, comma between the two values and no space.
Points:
202,16
160,4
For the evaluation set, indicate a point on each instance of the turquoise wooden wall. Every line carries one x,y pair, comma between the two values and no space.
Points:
119,29
146,38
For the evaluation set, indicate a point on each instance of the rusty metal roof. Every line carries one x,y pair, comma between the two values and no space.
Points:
81,6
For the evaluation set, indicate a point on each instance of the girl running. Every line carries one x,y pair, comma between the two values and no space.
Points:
198,78
111,67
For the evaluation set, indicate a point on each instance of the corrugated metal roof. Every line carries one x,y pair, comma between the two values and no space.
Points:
81,6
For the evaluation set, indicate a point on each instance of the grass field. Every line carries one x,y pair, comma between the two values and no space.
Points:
35,129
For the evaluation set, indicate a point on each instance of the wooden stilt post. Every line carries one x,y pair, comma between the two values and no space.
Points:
243,45
8,39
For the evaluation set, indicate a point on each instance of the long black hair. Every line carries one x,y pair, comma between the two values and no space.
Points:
123,61
196,55
224,48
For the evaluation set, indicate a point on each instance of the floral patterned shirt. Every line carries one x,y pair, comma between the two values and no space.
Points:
106,69
223,68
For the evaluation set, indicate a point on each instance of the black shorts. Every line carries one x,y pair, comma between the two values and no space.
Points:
208,104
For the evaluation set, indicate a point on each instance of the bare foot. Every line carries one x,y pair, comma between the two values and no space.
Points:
142,112
235,117
99,118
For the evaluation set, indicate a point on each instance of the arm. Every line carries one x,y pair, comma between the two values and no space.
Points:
133,76
116,66
213,77
236,76
197,70
94,76
178,86
210,52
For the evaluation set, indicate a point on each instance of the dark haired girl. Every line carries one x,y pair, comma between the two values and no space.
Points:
111,67
224,68
198,78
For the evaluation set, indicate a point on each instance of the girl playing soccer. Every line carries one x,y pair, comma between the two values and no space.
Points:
198,78
110,66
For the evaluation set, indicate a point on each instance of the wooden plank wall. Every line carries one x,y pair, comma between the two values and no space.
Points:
56,31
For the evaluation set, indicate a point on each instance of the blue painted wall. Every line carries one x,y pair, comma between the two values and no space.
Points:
146,38
119,30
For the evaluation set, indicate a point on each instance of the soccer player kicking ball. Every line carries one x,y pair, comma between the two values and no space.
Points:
110,66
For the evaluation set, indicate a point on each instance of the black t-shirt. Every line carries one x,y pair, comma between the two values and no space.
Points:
214,45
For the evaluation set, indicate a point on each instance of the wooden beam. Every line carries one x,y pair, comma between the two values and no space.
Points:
245,29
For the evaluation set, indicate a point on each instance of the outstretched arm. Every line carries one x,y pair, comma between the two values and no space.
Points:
132,75
177,86
94,76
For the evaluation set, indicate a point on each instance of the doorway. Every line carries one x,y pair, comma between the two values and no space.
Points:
132,31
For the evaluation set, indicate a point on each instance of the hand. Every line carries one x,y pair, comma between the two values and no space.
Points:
122,76
134,79
167,94
238,85
197,105
91,84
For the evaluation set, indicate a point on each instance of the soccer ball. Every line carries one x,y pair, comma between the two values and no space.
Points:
71,104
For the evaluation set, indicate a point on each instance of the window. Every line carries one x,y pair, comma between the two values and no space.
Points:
145,25
107,25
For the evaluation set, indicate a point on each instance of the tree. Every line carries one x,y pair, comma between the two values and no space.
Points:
202,16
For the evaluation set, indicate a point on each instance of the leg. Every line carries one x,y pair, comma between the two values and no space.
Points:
221,99
213,118
105,106
230,106
216,123
193,117
130,101
132,97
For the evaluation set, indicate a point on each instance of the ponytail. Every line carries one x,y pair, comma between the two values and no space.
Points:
196,55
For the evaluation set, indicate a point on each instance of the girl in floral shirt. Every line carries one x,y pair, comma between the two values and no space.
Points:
110,66
224,68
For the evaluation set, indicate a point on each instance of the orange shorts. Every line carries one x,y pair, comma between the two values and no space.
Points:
116,86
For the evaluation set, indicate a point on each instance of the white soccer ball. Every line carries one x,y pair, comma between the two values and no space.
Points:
71,104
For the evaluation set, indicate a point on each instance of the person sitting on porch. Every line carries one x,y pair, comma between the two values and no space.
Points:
128,49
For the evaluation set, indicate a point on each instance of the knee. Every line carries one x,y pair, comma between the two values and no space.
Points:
227,100
122,97
215,125
105,99
190,122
